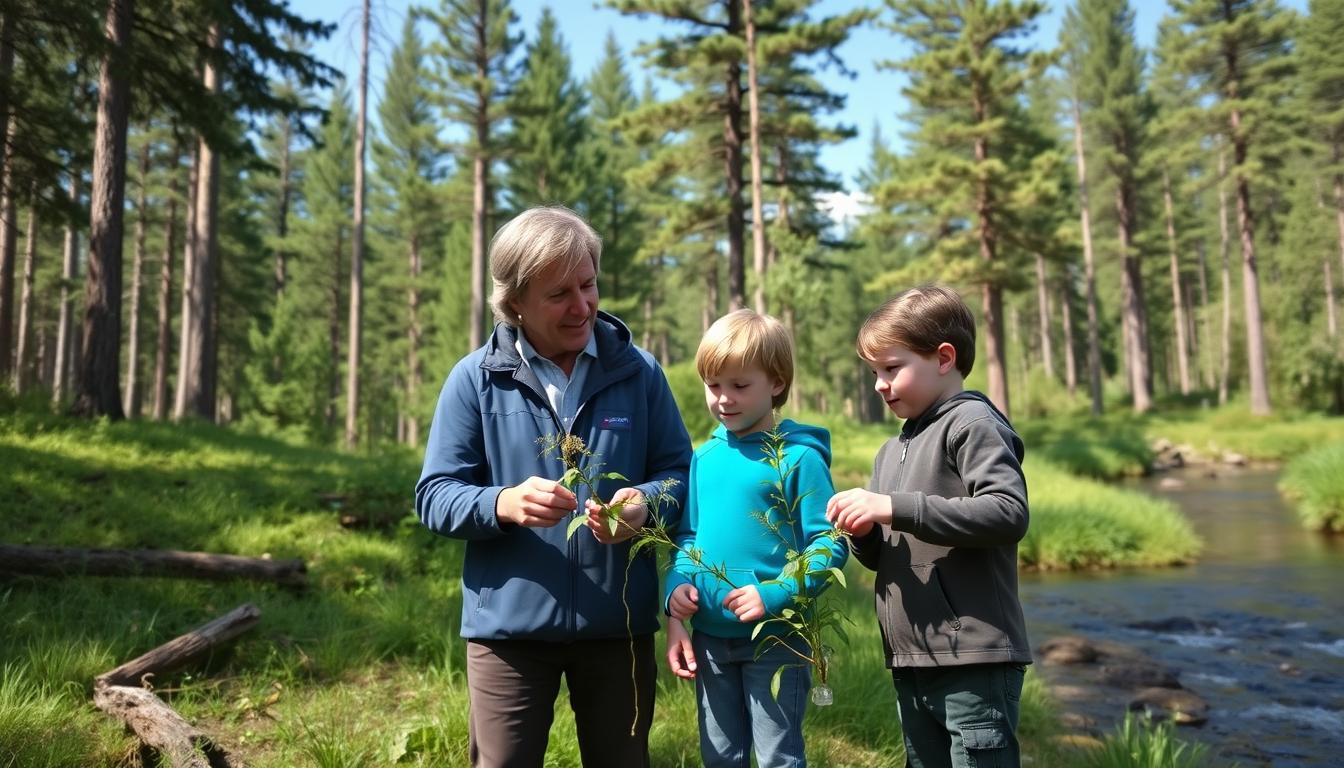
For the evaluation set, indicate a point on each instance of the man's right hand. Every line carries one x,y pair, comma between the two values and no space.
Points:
535,503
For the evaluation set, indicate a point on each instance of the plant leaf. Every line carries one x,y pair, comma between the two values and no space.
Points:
613,476
838,575
613,524
575,525
571,478
774,682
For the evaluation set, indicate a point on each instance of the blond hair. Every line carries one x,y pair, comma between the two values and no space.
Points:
743,339
532,242
921,319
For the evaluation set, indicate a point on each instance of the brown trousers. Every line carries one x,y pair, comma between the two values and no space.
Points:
513,684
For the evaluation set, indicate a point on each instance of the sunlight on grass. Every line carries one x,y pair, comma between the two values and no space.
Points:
1314,481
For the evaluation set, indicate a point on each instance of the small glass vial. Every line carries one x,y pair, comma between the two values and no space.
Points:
822,695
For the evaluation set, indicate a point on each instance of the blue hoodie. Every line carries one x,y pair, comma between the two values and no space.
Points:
730,483
533,583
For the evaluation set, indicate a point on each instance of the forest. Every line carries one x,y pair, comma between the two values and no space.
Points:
203,220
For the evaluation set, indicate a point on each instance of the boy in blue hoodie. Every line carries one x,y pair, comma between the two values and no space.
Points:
746,362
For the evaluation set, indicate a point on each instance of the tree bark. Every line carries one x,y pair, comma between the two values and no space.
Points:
164,335
1250,278
188,277
69,561
131,394
101,346
1131,278
9,237
160,727
282,215
1178,310
1089,266
1043,316
479,176
354,348
183,650
197,356
732,167
1225,244
754,126
64,332
991,295
23,370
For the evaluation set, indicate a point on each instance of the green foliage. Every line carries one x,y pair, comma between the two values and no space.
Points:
1079,523
1315,481
1137,743
548,125
688,389
49,727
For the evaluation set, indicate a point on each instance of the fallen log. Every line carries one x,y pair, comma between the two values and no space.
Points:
70,561
159,726
120,692
183,649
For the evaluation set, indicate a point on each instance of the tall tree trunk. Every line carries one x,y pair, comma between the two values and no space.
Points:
413,344
1131,277
1339,210
991,295
131,394
9,237
479,168
1089,266
100,351
732,168
356,330
754,126
1331,323
1043,316
1066,320
1250,279
64,333
1225,243
164,319
1204,347
197,367
282,215
22,368
188,277
1177,303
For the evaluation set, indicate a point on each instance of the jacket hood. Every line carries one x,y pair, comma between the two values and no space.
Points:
940,409
612,336
816,438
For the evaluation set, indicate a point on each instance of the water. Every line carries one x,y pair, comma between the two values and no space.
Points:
1266,648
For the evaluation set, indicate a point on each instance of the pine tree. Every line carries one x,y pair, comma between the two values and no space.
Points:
1322,93
547,108
1236,53
474,52
1108,66
411,162
966,78
612,205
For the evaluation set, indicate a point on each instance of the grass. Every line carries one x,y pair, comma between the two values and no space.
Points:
1140,744
365,666
1232,429
1315,481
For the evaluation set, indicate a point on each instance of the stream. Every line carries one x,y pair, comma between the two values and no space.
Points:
1256,628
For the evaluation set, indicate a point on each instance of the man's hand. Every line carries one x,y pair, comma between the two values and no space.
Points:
745,603
856,511
683,602
680,654
535,503
634,512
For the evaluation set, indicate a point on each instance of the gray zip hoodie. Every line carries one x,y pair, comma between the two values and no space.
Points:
946,584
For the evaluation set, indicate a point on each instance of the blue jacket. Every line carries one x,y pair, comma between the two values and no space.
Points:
532,583
730,485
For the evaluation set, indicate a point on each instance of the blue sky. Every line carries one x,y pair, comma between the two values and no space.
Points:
873,96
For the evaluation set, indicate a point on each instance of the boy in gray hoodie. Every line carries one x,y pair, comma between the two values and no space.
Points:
939,523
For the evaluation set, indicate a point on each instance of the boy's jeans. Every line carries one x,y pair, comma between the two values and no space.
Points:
736,710
960,717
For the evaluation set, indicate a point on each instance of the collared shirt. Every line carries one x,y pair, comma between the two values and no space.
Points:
562,391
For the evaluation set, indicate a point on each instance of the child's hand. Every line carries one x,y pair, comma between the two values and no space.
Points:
745,603
680,654
684,602
856,511
634,512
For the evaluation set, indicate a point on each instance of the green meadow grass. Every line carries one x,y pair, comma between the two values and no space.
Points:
364,667
1315,482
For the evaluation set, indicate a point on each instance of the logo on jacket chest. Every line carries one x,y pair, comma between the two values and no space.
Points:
614,421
